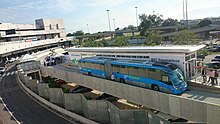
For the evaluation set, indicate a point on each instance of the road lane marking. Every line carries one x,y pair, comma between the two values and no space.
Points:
8,74
12,73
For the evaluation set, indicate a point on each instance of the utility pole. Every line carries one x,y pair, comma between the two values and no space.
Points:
136,15
87,27
187,24
109,20
183,9
114,24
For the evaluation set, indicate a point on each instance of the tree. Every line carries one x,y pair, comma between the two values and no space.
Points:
131,27
79,33
144,25
156,20
153,38
170,22
69,34
120,41
204,23
148,22
185,37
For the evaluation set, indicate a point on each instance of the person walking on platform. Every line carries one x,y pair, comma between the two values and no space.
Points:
216,78
203,75
211,76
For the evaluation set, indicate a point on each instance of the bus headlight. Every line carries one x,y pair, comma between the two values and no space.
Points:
177,88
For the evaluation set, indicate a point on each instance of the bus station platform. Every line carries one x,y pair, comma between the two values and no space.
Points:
199,79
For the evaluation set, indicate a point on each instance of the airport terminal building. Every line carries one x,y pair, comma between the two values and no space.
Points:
182,56
22,38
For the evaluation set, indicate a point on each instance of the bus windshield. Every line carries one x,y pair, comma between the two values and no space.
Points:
178,78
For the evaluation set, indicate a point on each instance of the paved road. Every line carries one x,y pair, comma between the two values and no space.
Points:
25,109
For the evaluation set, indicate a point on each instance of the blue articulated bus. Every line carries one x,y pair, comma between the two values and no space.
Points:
158,76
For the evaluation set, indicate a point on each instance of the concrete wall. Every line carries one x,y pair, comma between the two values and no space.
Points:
43,90
73,102
98,110
180,106
56,96
53,106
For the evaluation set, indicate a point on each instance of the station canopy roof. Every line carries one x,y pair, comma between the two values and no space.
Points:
145,49
27,57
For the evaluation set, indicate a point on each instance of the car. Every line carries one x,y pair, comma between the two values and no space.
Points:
216,59
213,65
216,49
201,57
2,70
49,61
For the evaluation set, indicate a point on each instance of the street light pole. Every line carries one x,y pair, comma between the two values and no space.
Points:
87,27
187,24
114,23
109,20
136,15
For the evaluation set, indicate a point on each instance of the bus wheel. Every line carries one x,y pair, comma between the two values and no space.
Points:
89,73
155,87
122,80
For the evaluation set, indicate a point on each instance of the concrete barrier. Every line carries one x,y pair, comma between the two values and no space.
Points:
73,102
190,109
43,90
33,85
55,107
56,96
98,111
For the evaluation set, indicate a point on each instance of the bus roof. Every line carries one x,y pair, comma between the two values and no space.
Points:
146,64
99,60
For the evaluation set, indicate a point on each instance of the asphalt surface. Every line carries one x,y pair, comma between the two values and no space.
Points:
25,109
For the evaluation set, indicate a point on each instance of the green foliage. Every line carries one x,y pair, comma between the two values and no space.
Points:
65,90
144,25
92,43
131,27
185,37
51,82
153,38
156,20
148,22
205,52
120,41
204,23
170,22
79,33
52,52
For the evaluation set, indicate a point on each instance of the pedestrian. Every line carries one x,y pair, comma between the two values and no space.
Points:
211,76
203,75
113,77
216,78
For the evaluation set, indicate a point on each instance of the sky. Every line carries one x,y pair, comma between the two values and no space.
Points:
77,14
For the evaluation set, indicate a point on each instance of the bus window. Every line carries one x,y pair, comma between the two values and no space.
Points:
165,79
152,73
142,72
124,70
158,74
116,68
102,67
133,71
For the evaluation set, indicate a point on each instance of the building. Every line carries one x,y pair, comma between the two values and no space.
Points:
17,39
182,56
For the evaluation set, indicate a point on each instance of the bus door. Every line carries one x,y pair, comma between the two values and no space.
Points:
108,69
